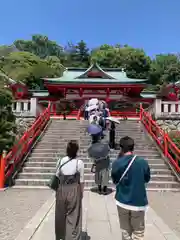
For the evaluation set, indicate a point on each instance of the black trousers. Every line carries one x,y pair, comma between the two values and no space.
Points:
112,139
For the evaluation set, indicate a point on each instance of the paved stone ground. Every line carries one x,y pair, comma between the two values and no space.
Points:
17,207
167,206
100,222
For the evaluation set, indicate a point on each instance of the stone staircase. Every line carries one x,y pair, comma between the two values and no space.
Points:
40,165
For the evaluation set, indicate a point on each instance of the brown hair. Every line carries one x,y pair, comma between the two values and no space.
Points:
72,149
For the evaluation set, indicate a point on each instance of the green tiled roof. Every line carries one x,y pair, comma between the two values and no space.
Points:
111,77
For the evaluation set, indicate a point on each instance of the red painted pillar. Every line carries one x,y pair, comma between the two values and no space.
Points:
65,91
54,108
2,169
81,92
141,111
107,95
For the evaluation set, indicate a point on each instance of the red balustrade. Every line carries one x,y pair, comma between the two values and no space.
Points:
20,149
170,150
125,114
79,114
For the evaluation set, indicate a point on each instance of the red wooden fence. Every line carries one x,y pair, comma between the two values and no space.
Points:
19,150
124,114
170,150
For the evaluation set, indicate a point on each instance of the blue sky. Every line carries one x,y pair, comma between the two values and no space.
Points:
148,24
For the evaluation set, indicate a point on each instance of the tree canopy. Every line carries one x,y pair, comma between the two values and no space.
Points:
29,68
40,45
7,119
30,60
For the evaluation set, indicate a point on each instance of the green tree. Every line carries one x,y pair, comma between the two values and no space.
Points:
104,56
82,54
55,64
135,61
29,68
172,73
70,56
76,55
41,46
6,50
7,119
164,69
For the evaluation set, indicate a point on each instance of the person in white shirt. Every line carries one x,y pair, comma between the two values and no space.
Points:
68,210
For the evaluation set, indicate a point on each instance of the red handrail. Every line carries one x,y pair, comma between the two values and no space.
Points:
20,149
116,113
79,115
169,149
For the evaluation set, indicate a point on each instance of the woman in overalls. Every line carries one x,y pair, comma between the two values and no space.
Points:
68,209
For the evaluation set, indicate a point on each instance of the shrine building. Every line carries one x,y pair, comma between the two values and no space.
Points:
78,85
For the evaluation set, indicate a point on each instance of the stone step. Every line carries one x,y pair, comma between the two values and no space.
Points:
65,130
84,132
39,169
46,150
84,144
51,153
153,165
61,137
85,159
114,156
61,133
88,176
139,142
40,148
87,169
64,126
67,122
90,183
86,135
140,154
88,164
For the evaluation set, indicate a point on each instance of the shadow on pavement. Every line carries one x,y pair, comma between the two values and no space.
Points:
85,236
95,190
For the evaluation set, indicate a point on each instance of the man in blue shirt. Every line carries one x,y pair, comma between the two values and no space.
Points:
131,197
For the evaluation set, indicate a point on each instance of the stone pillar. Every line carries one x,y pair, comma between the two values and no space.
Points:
25,106
157,108
18,107
33,107
178,107
173,108
14,107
